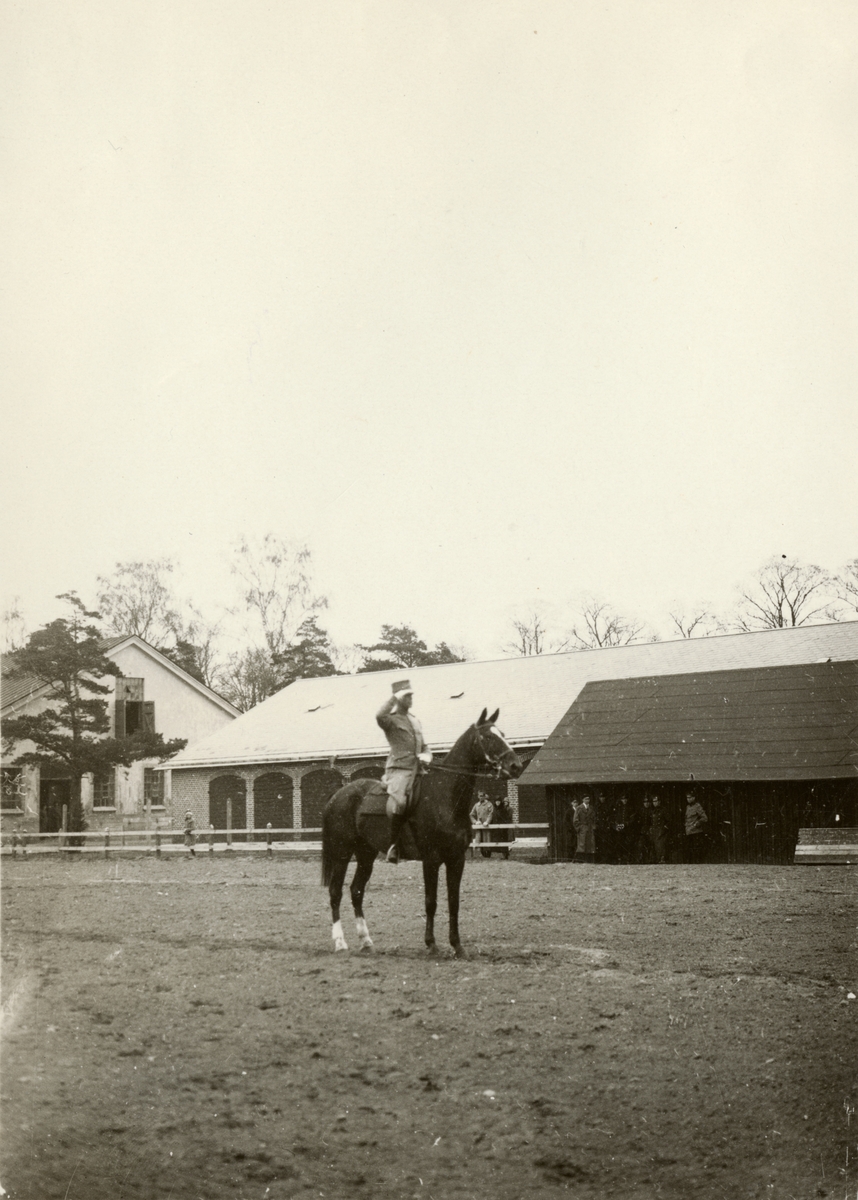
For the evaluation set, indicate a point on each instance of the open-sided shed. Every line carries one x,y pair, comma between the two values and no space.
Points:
767,750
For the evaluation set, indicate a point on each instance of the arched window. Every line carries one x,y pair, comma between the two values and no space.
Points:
272,801
316,790
221,789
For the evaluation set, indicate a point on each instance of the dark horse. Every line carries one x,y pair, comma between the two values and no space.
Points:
439,820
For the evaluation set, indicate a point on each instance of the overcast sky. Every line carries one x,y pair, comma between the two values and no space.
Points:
489,302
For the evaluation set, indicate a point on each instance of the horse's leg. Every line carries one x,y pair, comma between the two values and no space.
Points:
430,888
360,879
454,880
335,889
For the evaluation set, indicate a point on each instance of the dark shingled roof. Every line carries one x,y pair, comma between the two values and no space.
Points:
796,722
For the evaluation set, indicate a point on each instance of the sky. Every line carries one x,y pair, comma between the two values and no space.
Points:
493,304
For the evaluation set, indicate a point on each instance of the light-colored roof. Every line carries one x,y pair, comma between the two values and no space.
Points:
335,715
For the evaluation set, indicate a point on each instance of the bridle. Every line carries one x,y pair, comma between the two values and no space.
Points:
495,764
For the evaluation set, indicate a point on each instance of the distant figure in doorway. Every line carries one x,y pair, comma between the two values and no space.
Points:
695,829
604,826
644,852
190,835
585,827
481,816
408,753
625,834
658,829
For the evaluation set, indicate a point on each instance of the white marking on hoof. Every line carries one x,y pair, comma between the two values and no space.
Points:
340,942
363,933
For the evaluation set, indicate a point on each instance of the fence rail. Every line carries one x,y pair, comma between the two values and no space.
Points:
172,840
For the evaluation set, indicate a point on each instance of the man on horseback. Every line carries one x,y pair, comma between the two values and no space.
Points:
408,752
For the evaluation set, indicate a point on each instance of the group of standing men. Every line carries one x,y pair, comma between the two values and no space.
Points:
488,812
628,834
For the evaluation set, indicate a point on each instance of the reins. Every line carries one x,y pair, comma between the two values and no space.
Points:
494,765
462,770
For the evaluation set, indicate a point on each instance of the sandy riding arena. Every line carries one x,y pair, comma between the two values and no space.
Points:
182,1029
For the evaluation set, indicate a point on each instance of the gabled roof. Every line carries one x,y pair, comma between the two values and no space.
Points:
773,723
14,690
335,715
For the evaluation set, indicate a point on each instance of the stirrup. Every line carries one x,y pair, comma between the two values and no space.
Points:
393,854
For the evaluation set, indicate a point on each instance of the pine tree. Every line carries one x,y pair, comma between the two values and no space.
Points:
74,733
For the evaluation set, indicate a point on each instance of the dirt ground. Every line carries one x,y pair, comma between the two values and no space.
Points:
182,1029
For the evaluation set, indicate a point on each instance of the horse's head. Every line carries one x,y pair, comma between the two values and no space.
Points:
497,752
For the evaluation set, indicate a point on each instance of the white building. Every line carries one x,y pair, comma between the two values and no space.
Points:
153,693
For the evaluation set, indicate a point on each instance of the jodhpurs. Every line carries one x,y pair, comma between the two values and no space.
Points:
399,783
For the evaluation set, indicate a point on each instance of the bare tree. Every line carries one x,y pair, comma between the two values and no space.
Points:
532,637
275,577
348,658
601,626
197,647
14,632
845,586
784,593
249,677
138,599
699,622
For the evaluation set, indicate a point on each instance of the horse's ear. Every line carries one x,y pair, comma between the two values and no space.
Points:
482,717
494,717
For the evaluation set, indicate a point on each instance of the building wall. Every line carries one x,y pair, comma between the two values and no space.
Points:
189,789
180,709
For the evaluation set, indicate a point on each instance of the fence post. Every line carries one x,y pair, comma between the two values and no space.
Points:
157,842
268,838
16,842
106,842
229,822
211,839
65,826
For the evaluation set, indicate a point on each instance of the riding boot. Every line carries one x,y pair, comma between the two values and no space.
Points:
396,823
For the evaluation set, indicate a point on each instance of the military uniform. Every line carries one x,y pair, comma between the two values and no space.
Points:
408,749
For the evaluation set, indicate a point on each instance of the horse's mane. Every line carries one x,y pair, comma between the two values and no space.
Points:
461,784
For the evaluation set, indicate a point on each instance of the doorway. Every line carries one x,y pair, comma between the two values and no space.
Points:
53,794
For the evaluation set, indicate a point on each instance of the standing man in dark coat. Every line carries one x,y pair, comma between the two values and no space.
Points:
503,816
585,827
658,829
408,752
621,830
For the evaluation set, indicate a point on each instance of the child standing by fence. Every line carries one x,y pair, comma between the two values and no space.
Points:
190,836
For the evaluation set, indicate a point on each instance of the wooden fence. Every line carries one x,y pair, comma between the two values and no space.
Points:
159,841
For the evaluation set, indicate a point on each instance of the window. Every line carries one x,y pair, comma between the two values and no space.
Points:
153,787
133,714
12,788
104,789
133,717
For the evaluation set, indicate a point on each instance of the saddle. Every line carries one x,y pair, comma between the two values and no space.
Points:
373,823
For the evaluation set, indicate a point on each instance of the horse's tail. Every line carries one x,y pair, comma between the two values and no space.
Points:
332,820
